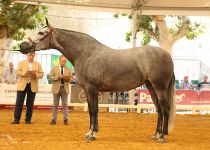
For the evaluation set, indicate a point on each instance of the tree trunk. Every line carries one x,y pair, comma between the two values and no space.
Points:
166,45
165,40
4,45
134,28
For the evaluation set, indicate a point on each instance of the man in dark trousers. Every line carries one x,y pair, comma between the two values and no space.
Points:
28,73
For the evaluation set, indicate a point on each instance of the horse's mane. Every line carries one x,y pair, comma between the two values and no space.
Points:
80,33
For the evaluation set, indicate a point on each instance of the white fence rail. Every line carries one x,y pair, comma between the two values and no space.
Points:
193,108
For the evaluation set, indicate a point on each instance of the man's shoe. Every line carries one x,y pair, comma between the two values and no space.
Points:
66,122
15,122
53,122
28,122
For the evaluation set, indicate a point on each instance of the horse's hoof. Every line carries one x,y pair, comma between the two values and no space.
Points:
90,138
155,136
162,140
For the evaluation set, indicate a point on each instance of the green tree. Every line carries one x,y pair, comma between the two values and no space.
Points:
156,28
15,18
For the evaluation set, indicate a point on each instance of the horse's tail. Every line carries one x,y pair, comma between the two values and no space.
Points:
172,103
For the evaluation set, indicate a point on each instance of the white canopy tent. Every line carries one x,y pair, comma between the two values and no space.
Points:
134,7
150,7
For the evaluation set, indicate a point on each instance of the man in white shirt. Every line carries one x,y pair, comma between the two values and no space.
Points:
186,85
9,75
28,72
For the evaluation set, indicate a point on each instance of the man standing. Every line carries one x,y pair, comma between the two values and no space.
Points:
60,76
28,72
9,75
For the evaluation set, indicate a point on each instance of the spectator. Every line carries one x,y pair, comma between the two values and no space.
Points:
9,75
205,85
186,85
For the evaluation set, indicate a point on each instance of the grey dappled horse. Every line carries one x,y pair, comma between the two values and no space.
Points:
100,68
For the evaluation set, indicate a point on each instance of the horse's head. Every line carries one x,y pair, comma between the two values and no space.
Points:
42,40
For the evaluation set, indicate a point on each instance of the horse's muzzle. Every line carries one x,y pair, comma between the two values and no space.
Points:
26,47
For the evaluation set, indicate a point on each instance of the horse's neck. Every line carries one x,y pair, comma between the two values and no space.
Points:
74,45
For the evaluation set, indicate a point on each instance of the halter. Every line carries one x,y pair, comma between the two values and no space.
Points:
37,41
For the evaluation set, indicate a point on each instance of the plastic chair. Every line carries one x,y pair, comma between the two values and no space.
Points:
177,84
48,79
195,82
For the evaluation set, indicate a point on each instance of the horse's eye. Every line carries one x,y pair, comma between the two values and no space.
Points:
41,33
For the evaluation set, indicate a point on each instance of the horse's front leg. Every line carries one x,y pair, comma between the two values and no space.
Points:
92,98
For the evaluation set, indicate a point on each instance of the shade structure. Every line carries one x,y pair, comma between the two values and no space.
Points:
149,7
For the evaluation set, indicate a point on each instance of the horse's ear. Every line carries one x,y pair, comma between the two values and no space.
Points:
47,23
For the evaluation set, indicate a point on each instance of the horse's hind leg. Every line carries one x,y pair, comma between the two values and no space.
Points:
158,109
162,97
92,98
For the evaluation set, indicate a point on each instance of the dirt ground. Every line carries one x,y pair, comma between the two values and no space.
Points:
117,131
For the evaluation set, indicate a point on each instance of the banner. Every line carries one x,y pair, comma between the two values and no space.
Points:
183,97
8,94
78,95
44,97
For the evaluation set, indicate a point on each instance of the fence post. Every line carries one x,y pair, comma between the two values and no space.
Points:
138,108
131,99
85,107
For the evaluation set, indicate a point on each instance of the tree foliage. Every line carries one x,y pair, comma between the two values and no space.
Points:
150,29
16,17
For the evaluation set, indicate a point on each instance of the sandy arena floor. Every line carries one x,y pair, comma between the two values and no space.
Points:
118,131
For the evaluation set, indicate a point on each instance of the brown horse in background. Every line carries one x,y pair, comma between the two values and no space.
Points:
100,68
